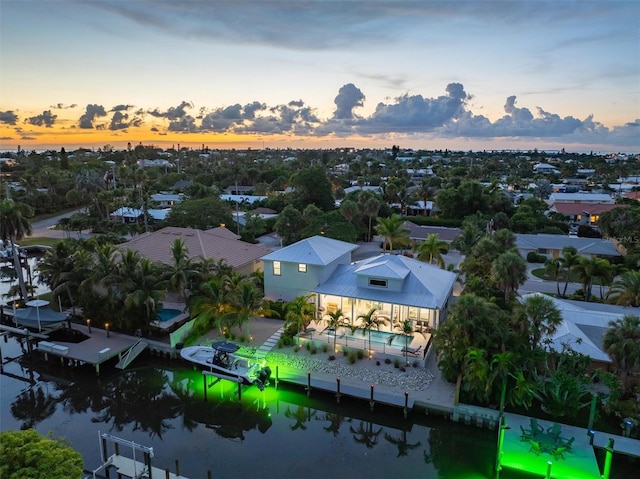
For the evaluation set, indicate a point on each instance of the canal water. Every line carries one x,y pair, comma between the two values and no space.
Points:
276,433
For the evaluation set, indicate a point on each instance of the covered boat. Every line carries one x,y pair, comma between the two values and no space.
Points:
37,315
222,360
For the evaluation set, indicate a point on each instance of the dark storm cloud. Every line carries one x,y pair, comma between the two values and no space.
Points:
223,119
122,107
293,118
44,119
8,117
91,113
349,97
120,121
173,113
185,124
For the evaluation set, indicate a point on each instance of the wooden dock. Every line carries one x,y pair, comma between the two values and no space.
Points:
127,467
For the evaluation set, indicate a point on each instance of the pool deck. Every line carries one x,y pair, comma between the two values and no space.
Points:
176,319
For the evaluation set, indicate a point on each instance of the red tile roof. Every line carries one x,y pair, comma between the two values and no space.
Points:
571,209
215,244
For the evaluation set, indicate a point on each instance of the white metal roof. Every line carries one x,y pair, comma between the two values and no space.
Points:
424,285
317,250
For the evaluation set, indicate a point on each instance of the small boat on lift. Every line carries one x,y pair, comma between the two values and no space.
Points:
221,360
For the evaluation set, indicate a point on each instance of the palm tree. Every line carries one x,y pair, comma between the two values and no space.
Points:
569,259
405,327
246,302
588,269
369,321
553,268
143,294
300,313
393,230
625,290
370,205
14,226
467,239
182,271
336,319
210,304
622,344
501,366
431,250
542,317
509,271
401,443
476,377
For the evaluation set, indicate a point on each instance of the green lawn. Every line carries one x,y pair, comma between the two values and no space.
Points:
540,273
39,240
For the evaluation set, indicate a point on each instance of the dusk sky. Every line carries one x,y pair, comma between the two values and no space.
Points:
465,75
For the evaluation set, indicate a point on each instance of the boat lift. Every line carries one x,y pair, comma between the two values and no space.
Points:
129,467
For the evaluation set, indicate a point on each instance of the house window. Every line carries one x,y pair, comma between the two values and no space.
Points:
276,268
302,268
382,283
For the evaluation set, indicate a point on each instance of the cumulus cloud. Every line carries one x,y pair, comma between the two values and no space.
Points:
349,97
173,113
44,119
120,121
122,107
223,119
8,117
91,113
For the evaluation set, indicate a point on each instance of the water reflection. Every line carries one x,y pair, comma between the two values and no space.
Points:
165,408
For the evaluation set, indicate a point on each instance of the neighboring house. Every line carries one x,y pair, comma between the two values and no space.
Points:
582,213
264,213
238,190
545,168
217,244
167,200
418,233
632,195
136,215
398,287
584,325
154,163
243,199
583,198
552,245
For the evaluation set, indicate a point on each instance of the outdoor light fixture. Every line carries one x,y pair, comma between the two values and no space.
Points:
106,328
89,325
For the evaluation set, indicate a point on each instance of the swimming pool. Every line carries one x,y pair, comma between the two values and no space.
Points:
167,314
378,338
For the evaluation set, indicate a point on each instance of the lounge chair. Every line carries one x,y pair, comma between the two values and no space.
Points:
568,443
526,435
535,427
559,452
413,351
535,447
554,430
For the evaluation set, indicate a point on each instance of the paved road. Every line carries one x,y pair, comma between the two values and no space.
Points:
44,229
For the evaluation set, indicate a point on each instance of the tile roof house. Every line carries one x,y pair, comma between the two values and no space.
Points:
584,325
398,287
583,213
217,243
552,245
419,233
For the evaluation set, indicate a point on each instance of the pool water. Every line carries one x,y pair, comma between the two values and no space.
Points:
167,314
380,338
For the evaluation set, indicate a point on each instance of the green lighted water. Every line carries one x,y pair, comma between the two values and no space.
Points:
277,433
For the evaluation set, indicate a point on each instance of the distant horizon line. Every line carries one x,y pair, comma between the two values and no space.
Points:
266,148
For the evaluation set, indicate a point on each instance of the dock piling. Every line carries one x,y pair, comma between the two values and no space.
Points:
372,402
338,390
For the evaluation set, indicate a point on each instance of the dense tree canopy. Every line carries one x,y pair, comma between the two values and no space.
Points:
28,455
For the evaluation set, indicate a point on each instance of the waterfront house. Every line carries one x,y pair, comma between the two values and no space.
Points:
217,244
396,286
